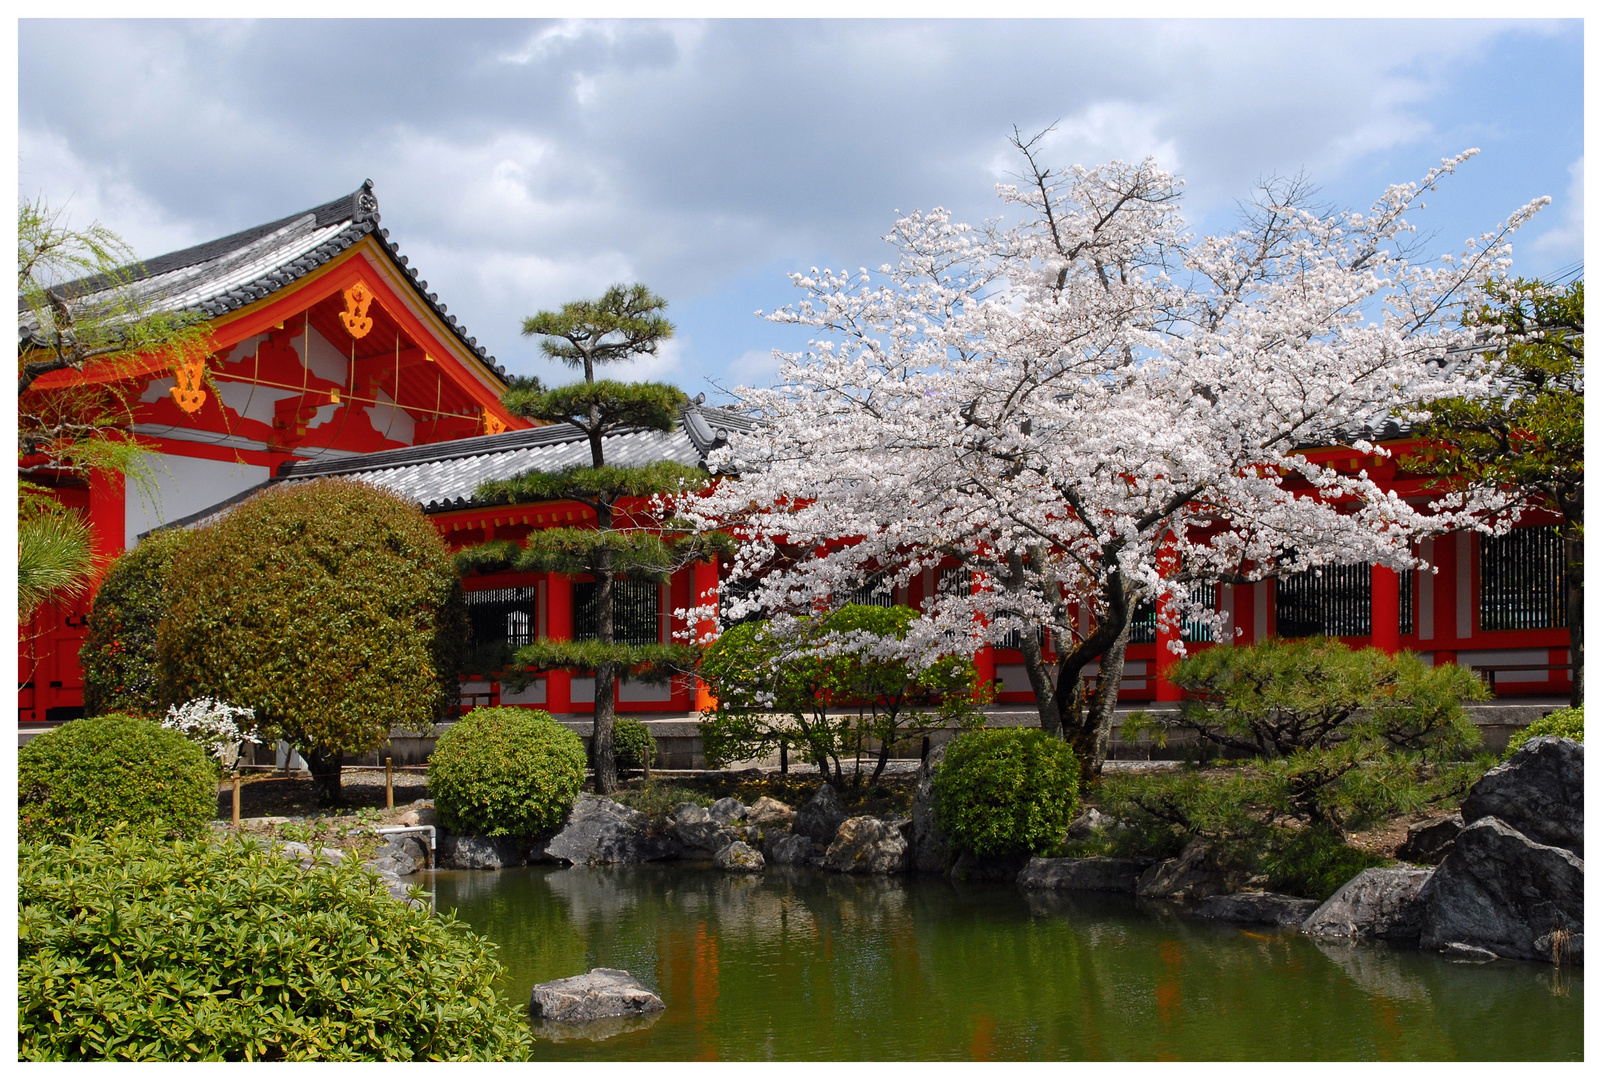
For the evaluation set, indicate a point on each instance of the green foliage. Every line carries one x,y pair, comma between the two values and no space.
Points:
1312,862
1564,723
331,608
657,798
1277,697
826,686
89,775
1003,791
593,484
633,744
647,663
120,668
505,772
643,406
54,556
132,950
487,558
624,322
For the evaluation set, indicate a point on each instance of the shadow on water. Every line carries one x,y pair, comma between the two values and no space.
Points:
799,965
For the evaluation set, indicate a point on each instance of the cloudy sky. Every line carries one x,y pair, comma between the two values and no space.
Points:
522,164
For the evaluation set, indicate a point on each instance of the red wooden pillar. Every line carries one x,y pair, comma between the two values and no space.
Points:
559,625
704,593
1168,630
1385,609
108,516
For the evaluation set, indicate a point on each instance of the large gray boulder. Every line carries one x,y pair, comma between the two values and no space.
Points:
726,811
789,849
1085,875
1500,890
740,858
401,856
821,815
866,845
600,831
706,837
1273,909
1380,902
1194,874
1539,791
932,852
1428,841
478,852
595,995
689,813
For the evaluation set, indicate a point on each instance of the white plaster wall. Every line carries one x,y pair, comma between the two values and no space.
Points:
185,485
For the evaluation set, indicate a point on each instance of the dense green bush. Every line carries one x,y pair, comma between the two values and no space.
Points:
119,652
331,608
1003,791
1565,723
90,774
134,950
1277,697
505,772
633,744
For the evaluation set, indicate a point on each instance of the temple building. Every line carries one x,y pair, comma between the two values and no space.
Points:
331,358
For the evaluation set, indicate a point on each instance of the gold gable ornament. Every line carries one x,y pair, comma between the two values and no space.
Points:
493,425
188,391
355,316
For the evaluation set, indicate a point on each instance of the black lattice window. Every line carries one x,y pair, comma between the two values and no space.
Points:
876,591
1143,628
1332,601
1522,580
1409,583
509,615
636,612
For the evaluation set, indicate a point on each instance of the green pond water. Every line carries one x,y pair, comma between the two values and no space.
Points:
798,964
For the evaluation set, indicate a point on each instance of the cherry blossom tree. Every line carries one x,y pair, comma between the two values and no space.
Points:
1094,408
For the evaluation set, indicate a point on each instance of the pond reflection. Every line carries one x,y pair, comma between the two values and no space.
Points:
801,965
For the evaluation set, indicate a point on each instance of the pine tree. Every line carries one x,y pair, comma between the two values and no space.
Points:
632,538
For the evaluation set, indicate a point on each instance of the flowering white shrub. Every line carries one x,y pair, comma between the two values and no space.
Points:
214,725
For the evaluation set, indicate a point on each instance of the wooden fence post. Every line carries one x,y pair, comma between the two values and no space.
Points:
389,783
236,799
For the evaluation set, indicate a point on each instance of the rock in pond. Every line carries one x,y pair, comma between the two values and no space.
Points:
401,856
740,858
1275,909
1380,902
931,849
1500,890
726,811
703,838
1087,875
1428,842
689,813
866,845
790,849
1194,874
768,811
601,831
821,816
1539,791
595,995
478,852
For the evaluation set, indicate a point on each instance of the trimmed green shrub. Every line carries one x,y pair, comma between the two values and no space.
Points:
633,744
133,950
1277,697
120,670
91,774
1565,723
331,608
505,772
1003,791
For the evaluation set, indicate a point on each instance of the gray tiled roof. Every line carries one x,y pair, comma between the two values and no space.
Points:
219,276
443,476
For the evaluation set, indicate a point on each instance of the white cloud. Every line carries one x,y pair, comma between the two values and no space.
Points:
1566,239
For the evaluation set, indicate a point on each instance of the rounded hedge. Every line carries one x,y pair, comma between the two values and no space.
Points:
88,775
331,608
135,950
1006,791
632,744
505,772
120,673
1564,723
